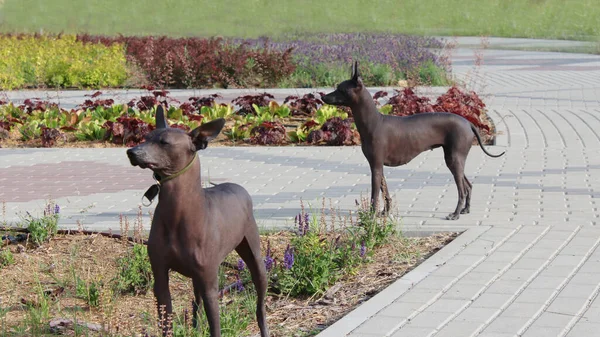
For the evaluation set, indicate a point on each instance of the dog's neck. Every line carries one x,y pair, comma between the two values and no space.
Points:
189,181
366,115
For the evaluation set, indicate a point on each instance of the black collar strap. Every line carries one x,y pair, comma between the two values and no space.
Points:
153,191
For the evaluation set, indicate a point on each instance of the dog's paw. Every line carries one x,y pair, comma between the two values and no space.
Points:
465,211
452,216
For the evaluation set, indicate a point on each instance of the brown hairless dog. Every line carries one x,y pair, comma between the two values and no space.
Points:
194,228
394,141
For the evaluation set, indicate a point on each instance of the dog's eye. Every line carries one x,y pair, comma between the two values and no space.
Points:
164,142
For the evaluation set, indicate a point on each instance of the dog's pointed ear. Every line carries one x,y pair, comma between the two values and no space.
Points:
206,132
355,72
161,119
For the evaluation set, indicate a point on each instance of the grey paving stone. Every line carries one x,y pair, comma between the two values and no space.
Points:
584,329
490,300
409,331
458,328
505,324
378,325
428,319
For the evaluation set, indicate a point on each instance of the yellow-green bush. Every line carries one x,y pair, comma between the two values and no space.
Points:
59,61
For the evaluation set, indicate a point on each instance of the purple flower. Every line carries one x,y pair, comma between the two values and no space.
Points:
241,265
268,258
56,209
363,249
239,285
288,258
302,223
399,52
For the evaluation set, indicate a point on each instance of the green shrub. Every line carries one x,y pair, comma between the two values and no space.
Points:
315,259
313,265
374,231
59,61
431,74
135,272
311,75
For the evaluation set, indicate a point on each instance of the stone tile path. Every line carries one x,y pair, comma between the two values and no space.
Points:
528,262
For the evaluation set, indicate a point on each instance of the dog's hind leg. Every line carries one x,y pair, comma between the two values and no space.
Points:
456,165
468,189
386,196
249,251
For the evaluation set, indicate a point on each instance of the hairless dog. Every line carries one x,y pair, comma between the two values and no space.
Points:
194,228
394,141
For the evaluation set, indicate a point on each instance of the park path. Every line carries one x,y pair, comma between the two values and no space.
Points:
527,263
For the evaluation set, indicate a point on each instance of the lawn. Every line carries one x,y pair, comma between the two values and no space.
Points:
509,18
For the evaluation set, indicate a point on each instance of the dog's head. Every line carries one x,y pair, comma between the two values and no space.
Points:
168,150
348,92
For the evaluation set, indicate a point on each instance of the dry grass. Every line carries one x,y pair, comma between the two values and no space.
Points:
53,267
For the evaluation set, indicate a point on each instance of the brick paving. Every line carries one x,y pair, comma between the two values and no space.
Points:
527,263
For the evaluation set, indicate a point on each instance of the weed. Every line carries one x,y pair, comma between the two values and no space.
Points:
38,311
44,228
236,314
88,291
135,272
6,258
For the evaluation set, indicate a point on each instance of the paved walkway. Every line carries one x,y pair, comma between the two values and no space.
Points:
528,263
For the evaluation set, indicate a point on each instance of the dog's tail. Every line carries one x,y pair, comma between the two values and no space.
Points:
476,132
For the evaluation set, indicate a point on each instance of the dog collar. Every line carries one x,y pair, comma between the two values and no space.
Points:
153,191
161,180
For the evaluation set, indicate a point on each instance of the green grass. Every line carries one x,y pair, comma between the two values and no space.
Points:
510,18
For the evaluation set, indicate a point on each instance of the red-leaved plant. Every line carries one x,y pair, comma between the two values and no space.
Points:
245,102
268,133
128,131
406,103
35,104
466,104
49,136
306,105
202,63
455,100
335,132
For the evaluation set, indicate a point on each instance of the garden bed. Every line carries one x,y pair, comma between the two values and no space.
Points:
53,268
250,119
318,272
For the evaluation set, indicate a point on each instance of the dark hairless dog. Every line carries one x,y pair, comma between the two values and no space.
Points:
394,141
194,228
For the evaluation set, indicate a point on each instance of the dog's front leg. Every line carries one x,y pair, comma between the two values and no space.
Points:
197,301
376,176
163,299
210,294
